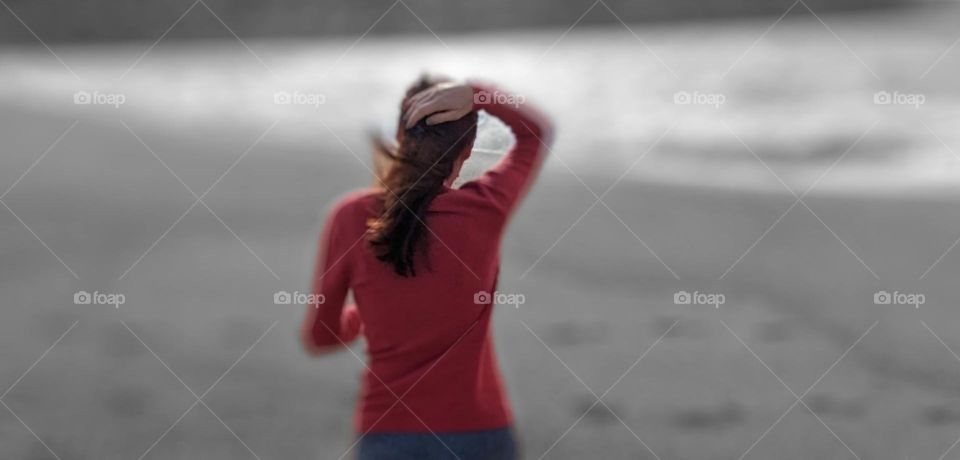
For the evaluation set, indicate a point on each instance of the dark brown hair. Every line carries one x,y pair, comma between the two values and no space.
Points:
420,163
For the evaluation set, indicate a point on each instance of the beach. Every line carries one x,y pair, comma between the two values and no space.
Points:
631,210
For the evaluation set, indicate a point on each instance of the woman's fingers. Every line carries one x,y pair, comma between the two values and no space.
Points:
444,117
423,109
414,101
416,112
436,112
417,98
440,103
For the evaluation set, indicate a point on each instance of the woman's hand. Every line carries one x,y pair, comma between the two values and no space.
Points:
440,103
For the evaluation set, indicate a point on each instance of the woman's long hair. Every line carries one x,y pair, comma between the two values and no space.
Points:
423,159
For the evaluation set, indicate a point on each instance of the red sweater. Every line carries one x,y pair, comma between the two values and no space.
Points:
432,365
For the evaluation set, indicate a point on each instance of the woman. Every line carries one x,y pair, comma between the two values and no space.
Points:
421,259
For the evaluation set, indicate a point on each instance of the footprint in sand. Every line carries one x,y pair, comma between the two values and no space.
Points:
711,418
688,328
573,333
598,414
943,414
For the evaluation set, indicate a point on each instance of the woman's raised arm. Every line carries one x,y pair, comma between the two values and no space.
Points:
507,181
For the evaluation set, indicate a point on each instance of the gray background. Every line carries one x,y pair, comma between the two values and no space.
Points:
798,198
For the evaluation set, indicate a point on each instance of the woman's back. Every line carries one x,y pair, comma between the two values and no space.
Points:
428,336
422,272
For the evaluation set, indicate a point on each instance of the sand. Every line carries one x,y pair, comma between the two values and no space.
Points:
799,301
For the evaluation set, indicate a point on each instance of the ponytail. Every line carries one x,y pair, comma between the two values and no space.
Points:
420,164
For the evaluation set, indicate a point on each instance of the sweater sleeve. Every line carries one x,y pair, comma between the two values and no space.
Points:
506,182
329,324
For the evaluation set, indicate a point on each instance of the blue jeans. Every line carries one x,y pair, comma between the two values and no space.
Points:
498,444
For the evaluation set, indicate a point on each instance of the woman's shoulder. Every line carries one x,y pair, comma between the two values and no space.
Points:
361,201
363,195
